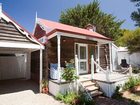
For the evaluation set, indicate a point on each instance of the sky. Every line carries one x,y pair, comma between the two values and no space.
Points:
24,11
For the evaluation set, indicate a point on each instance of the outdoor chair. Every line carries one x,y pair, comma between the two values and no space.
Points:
124,65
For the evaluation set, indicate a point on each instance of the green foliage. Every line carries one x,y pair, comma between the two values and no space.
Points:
44,83
117,94
133,81
72,98
130,39
83,100
81,15
68,98
69,74
135,16
59,96
136,70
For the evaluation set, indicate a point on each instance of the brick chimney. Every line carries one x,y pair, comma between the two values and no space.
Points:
90,27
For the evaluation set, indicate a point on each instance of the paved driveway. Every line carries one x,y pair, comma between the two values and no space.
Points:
27,97
23,92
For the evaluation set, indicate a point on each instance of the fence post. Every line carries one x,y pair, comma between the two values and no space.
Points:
77,73
130,70
92,67
107,74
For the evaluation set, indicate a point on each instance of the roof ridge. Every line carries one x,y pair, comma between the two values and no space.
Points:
66,24
69,28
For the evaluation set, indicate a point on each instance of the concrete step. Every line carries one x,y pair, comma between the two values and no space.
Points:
91,88
96,93
88,83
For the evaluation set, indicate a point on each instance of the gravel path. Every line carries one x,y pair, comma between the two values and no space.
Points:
27,97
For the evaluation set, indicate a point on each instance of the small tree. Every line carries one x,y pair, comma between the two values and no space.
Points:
130,39
69,74
135,16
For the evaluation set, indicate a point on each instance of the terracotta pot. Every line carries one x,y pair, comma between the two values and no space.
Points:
45,90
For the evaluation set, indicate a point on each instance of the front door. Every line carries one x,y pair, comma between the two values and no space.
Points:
83,58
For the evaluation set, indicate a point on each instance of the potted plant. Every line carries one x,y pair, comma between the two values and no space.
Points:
69,74
45,89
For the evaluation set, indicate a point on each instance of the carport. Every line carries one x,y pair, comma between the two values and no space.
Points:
16,46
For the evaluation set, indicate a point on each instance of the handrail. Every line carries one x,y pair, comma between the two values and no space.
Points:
125,71
92,69
99,66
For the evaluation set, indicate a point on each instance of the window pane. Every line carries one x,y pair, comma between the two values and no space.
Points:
83,66
82,52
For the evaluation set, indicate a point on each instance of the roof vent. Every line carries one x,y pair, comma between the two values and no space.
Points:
90,27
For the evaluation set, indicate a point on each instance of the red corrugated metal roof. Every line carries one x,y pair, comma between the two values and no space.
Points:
55,26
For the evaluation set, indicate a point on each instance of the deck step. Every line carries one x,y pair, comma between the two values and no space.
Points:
91,88
96,93
87,83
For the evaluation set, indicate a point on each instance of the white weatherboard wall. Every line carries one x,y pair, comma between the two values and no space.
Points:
109,88
12,67
133,59
55,88
119,53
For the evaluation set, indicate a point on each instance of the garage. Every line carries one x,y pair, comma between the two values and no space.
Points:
16,48
12,66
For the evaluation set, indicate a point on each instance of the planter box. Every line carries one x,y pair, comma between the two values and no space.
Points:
55,87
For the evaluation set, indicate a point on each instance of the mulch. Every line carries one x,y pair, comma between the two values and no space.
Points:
101,100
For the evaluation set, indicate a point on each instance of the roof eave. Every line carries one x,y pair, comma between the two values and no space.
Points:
58,30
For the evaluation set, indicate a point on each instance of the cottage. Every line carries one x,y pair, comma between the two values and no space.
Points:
91,51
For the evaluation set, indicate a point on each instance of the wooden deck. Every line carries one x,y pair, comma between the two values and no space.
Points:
113,77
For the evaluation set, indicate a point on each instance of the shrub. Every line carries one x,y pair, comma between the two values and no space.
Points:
136,70
72,98
68,98
133,81
84,100
69,74
117,94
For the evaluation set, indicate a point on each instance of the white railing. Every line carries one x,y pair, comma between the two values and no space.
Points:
77,73
78,83
130,70
92,67
107,72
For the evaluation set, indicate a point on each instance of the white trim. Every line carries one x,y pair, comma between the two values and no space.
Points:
35,24
52,35
19,45
43,26
6,18
80,36
98,57
41,69
110,54
83,60
59,56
